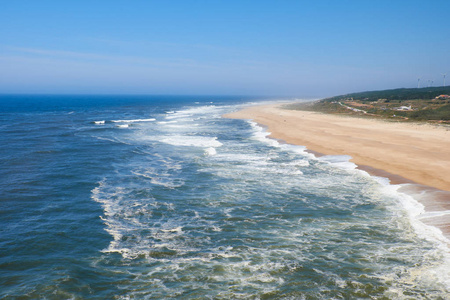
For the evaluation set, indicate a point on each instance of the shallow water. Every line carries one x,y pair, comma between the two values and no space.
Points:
161,197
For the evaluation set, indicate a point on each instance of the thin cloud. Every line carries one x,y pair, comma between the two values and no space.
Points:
100,58
177,62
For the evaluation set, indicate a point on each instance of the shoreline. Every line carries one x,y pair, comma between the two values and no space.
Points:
412,155
434,200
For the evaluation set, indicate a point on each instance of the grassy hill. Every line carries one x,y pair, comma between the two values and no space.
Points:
417,104
396,94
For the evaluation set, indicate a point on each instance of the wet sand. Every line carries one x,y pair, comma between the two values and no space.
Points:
402,152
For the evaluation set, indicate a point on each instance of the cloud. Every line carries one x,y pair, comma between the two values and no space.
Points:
58,55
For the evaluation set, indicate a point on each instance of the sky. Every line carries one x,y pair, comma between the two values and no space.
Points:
306,49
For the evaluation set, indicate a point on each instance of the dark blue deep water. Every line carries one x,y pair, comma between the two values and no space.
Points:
155,197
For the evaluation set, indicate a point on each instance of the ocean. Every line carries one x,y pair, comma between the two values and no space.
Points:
158,197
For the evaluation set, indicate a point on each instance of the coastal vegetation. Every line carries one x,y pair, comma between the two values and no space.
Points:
417,104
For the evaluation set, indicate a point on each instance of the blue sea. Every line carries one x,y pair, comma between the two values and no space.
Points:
158,197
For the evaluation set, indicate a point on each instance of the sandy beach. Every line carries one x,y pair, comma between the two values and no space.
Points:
403,152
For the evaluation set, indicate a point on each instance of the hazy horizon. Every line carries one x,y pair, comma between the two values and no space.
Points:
268,97
293,49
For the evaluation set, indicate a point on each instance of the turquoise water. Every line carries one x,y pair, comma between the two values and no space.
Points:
160,197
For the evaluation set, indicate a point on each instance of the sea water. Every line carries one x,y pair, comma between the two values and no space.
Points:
116,197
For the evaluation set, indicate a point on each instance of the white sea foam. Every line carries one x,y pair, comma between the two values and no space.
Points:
246,163
179,116
133,121
417,213
176,126
127,220
166,122
298,163
210,151
162,179
123,125
260,134
341,161
193,113
196,141
432,214
434,274
380,180
168,183
99,122
297,149
178,229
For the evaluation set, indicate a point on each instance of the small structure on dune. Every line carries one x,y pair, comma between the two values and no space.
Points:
443,97
403,108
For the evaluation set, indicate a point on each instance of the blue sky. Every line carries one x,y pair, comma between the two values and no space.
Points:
274,48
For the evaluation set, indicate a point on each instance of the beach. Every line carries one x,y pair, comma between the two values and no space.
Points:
195,205
418,152
403,152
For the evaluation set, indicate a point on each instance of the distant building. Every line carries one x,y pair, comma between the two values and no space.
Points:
403,108
443,97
